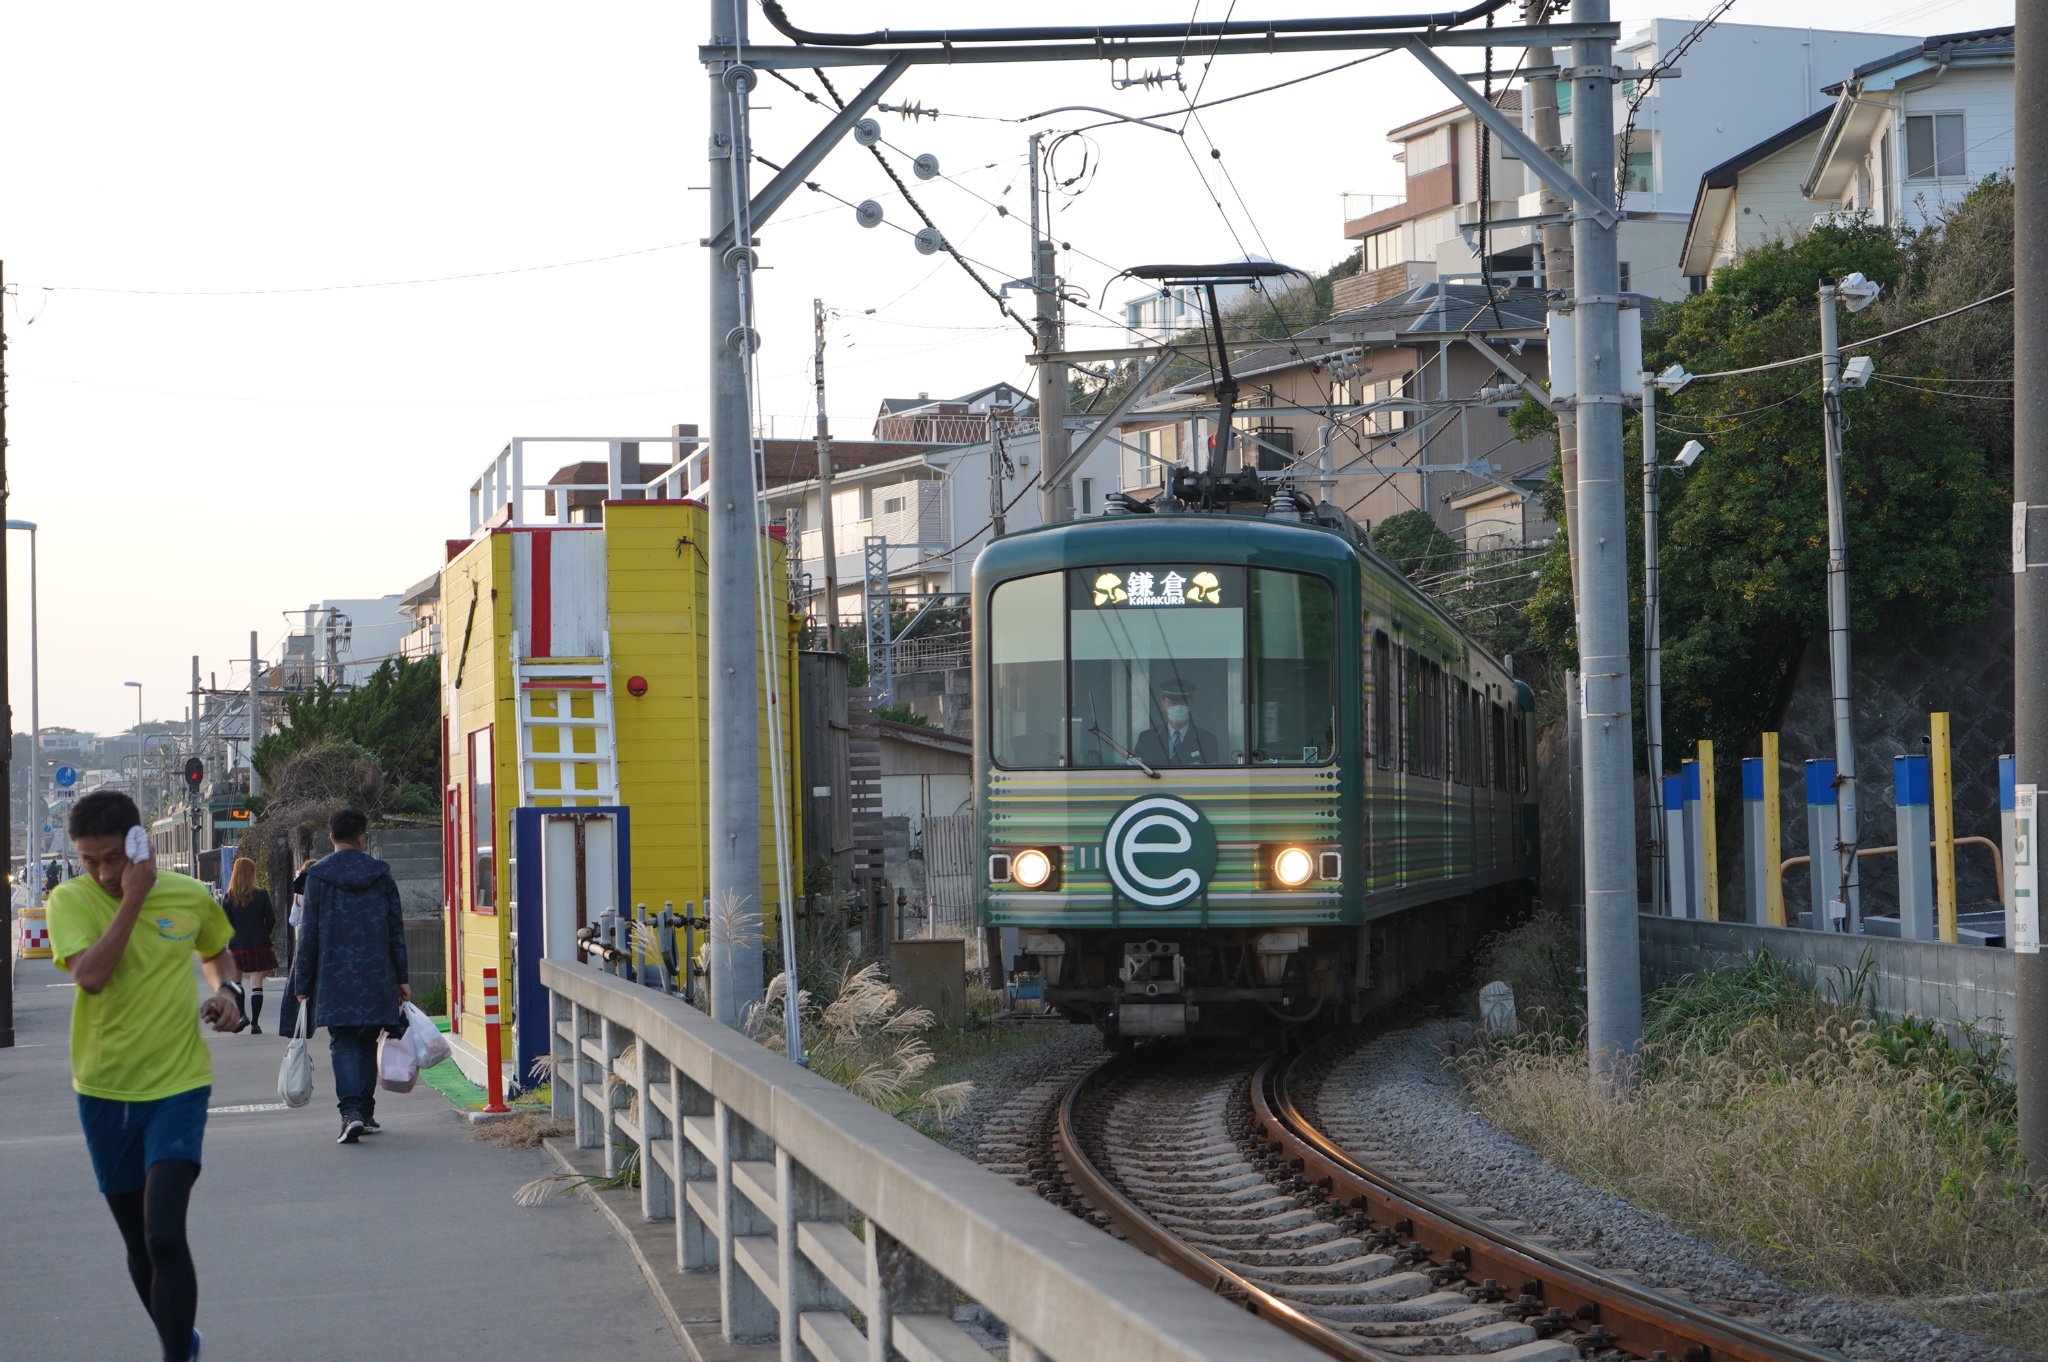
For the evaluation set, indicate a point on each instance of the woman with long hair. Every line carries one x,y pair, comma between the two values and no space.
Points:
253,918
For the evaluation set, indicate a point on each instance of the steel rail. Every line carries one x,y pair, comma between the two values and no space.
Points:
1154,1240
1619,1313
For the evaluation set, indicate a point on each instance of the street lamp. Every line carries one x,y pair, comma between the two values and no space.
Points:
35,725
1859,293
1671,380
138,740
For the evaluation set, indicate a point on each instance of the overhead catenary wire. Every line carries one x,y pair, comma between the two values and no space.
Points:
1859,344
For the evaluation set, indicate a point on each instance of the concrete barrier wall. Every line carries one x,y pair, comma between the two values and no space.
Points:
414,855
426,950
1958,986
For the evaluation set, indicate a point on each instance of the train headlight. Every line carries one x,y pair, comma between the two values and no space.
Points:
1293,866
1031,868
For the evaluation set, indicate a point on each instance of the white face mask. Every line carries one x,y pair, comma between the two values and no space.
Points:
1177,715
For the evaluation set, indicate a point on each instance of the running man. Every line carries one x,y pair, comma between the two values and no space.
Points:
138,1061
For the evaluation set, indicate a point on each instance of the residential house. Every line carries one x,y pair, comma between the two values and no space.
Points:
1398,406
1507,514
998,408
1733,86
1910,132
421,607
1164,313
1754,196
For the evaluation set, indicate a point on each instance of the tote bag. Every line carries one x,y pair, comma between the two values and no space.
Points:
295,1075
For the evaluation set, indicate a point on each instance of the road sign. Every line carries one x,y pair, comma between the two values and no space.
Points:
67,776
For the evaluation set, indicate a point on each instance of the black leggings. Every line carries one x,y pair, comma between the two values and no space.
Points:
152,1224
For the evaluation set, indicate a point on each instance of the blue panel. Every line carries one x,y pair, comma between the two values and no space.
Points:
1674,795
1820,781
2008,777
532,1011
1689,773
1753,779
1910,781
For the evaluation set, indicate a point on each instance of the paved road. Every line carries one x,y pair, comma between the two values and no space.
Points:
406,1244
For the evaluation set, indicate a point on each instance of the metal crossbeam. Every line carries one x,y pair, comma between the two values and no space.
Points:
781,57
875,592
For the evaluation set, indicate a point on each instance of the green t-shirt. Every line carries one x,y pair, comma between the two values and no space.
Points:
138,1039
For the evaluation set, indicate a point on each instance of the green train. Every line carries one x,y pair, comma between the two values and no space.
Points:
1234,769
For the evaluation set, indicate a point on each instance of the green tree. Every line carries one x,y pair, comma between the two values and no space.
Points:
394,717
1744,532
1412,541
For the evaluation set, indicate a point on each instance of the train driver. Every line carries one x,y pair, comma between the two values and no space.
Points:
1175,740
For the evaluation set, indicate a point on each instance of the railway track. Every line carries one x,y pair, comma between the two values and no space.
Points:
1217,1172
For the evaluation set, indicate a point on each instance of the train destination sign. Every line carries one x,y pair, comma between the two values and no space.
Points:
1175,585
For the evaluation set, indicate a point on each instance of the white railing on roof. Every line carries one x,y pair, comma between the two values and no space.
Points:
502,495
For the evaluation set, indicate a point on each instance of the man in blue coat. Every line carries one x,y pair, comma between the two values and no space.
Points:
351,962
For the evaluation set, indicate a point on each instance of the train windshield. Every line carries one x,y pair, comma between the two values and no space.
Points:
1169,664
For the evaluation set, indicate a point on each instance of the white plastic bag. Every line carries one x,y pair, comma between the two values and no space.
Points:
295,1075
427,1041
398,1068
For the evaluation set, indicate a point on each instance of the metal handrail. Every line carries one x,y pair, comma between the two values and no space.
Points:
1997,859
765,1168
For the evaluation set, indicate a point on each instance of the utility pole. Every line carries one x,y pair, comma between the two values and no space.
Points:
1838,622
2030,586
825,541
1558,261
7,761
735,859
255,712
1653,637
1614,1020
1057,500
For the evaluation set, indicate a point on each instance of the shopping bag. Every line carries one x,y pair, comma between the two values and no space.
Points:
398,1065
426,1039
295,1075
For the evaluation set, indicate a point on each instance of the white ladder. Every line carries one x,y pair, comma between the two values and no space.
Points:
568,750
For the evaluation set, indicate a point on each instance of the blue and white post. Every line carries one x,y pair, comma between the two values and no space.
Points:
1759,860
1695,841
2008,844
1912,800
1677,849
1823,831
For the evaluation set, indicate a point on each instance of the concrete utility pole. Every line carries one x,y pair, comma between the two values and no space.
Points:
2030,583
1614,1020
1557,257
255,711
7,942
1846,897
735,859
1057,499
825,541
1653,635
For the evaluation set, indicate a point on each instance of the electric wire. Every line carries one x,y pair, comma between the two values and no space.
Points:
1867,340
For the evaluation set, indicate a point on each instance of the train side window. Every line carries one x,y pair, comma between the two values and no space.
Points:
1384,691
1498,726
1027,662
1293,669
1413,758
1521,754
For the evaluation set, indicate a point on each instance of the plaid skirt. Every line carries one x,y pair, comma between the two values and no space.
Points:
257,960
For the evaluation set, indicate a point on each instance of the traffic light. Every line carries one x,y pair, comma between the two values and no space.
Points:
195,774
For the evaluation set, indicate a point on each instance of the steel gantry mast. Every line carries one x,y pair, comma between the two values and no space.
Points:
1587,188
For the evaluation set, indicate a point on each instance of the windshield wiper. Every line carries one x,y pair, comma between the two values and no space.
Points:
1095,728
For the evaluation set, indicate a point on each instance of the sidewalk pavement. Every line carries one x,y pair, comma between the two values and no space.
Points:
308,1251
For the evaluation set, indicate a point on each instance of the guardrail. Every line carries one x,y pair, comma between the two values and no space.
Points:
812,1206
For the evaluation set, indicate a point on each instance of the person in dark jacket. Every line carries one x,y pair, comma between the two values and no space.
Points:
351,960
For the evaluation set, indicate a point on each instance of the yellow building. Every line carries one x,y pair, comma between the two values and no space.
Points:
575,672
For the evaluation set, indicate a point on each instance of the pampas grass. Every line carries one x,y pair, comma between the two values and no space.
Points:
866,1041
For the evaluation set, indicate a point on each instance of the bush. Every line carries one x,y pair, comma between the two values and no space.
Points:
1539,960
1840,1153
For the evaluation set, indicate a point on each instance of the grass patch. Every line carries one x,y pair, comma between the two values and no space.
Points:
866,1041
522,1130
1841,1153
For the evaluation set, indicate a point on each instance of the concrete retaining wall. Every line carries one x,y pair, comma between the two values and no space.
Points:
426,950
1958,986
414,855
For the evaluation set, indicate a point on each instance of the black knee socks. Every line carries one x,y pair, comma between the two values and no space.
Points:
152,1225
256,1005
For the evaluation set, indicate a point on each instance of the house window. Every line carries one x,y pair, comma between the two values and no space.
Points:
1934,146
1429,151
1564,99
1087,496
1624,276
891,505
1382,249
483,821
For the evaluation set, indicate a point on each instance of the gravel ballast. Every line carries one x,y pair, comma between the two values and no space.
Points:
1393,1094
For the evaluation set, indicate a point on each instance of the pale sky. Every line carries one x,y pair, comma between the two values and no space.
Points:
206,448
